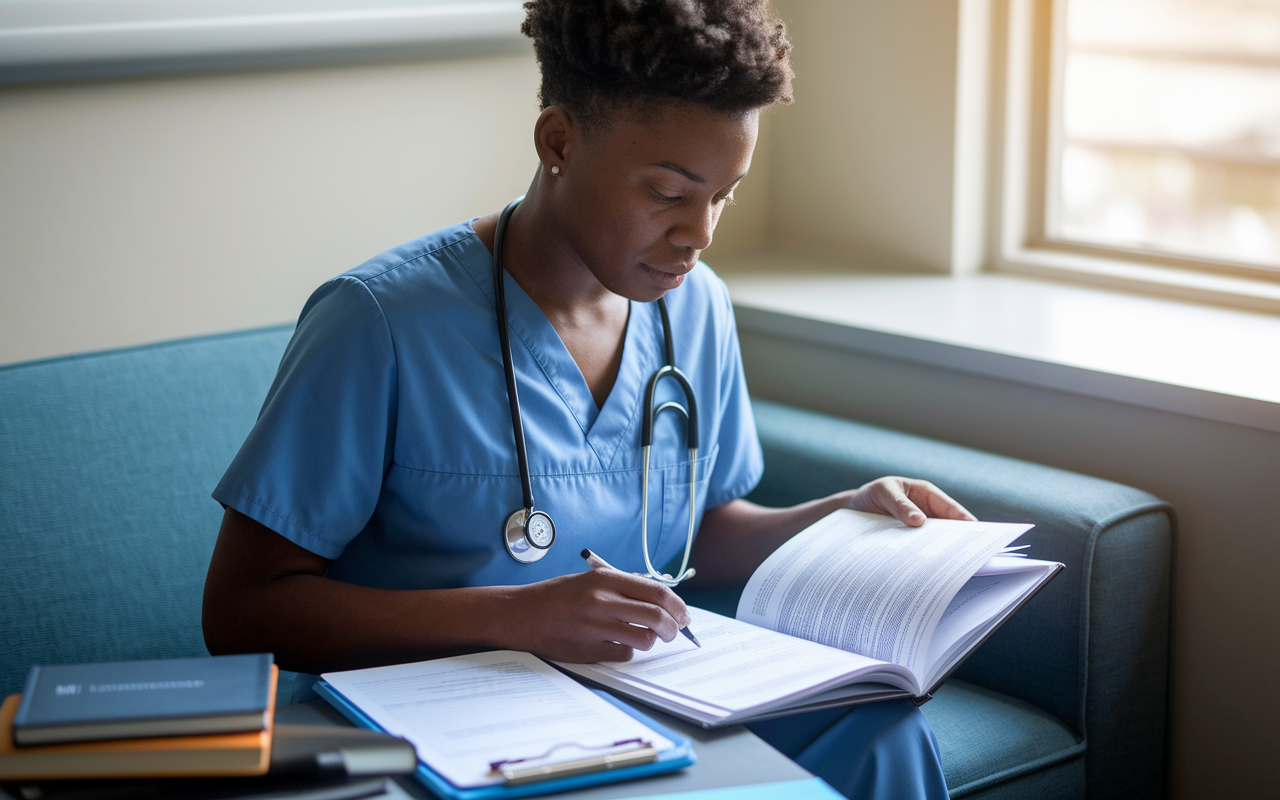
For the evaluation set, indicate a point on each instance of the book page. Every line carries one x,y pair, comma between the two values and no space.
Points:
462,713
980,605
739,668
869,584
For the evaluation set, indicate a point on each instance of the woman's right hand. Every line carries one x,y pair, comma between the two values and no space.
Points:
593,616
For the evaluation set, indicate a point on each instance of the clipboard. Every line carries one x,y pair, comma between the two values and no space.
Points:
674,758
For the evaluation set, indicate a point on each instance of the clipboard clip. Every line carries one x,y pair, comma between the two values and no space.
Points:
643,752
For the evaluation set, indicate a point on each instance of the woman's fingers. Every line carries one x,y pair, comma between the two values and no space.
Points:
908,500
652,617
636,637
650,592
902,507
888,496
938,503
598,615
604,651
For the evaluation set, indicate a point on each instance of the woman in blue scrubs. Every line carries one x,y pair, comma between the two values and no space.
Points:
364,512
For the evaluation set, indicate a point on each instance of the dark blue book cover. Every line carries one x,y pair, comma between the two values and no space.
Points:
129,699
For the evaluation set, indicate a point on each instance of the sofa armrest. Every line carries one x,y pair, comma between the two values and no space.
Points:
1092,647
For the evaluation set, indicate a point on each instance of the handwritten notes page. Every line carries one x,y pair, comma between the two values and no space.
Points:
464,712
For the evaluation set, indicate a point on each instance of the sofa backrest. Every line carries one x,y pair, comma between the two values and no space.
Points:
106,465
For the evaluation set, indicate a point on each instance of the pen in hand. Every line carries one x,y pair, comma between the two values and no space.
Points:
596,562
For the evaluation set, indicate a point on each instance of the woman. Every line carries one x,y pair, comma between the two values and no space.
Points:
364,513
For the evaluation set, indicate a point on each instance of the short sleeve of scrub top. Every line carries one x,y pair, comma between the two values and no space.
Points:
385,441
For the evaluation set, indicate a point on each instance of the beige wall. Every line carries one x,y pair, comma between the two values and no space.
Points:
139,210
864,169
147,209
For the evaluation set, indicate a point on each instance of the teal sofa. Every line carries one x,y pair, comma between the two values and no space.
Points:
106,528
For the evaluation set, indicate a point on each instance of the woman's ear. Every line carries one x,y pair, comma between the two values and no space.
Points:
554,137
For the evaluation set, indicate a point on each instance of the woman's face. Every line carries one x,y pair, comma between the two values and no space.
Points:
639,196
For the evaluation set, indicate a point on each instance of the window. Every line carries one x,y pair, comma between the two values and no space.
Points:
1142,143
1169,124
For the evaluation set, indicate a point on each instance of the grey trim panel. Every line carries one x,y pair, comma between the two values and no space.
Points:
40,40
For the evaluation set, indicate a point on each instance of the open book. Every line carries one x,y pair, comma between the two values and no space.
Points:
856,607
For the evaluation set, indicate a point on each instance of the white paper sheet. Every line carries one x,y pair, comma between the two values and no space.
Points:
463,713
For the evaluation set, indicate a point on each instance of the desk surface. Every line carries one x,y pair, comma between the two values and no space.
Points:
726,758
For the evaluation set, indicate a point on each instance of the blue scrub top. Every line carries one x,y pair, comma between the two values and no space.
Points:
385,441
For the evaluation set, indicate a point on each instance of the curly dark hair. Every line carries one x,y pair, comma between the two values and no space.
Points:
597,55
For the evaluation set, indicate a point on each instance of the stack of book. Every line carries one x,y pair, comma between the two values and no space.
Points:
138,727
186,716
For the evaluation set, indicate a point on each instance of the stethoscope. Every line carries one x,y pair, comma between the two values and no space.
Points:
528,533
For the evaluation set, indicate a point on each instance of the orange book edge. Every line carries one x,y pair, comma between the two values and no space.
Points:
250,740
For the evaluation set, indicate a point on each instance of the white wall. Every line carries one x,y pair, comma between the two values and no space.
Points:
146,209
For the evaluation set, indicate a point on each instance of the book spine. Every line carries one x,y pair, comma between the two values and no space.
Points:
265,661
28,692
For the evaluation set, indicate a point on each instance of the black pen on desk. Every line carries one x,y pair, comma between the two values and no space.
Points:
596,562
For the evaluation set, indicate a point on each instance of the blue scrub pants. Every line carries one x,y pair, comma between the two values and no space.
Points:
878,750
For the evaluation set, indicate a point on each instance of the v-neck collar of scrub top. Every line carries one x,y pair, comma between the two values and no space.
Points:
604,428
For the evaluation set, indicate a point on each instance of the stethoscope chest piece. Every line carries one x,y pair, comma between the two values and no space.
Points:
528,536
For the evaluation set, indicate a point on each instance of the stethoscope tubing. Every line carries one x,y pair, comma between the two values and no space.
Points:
508,364
649,418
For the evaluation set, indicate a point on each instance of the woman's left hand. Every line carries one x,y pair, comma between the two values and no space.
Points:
907,499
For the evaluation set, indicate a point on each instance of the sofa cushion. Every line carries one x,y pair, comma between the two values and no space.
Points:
988,738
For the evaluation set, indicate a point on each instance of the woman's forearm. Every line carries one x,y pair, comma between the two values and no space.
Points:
315,624
265,594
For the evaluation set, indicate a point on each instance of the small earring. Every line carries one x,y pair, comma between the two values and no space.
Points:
555,170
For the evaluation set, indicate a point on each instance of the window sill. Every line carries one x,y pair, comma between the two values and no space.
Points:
1202,361
1183,284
